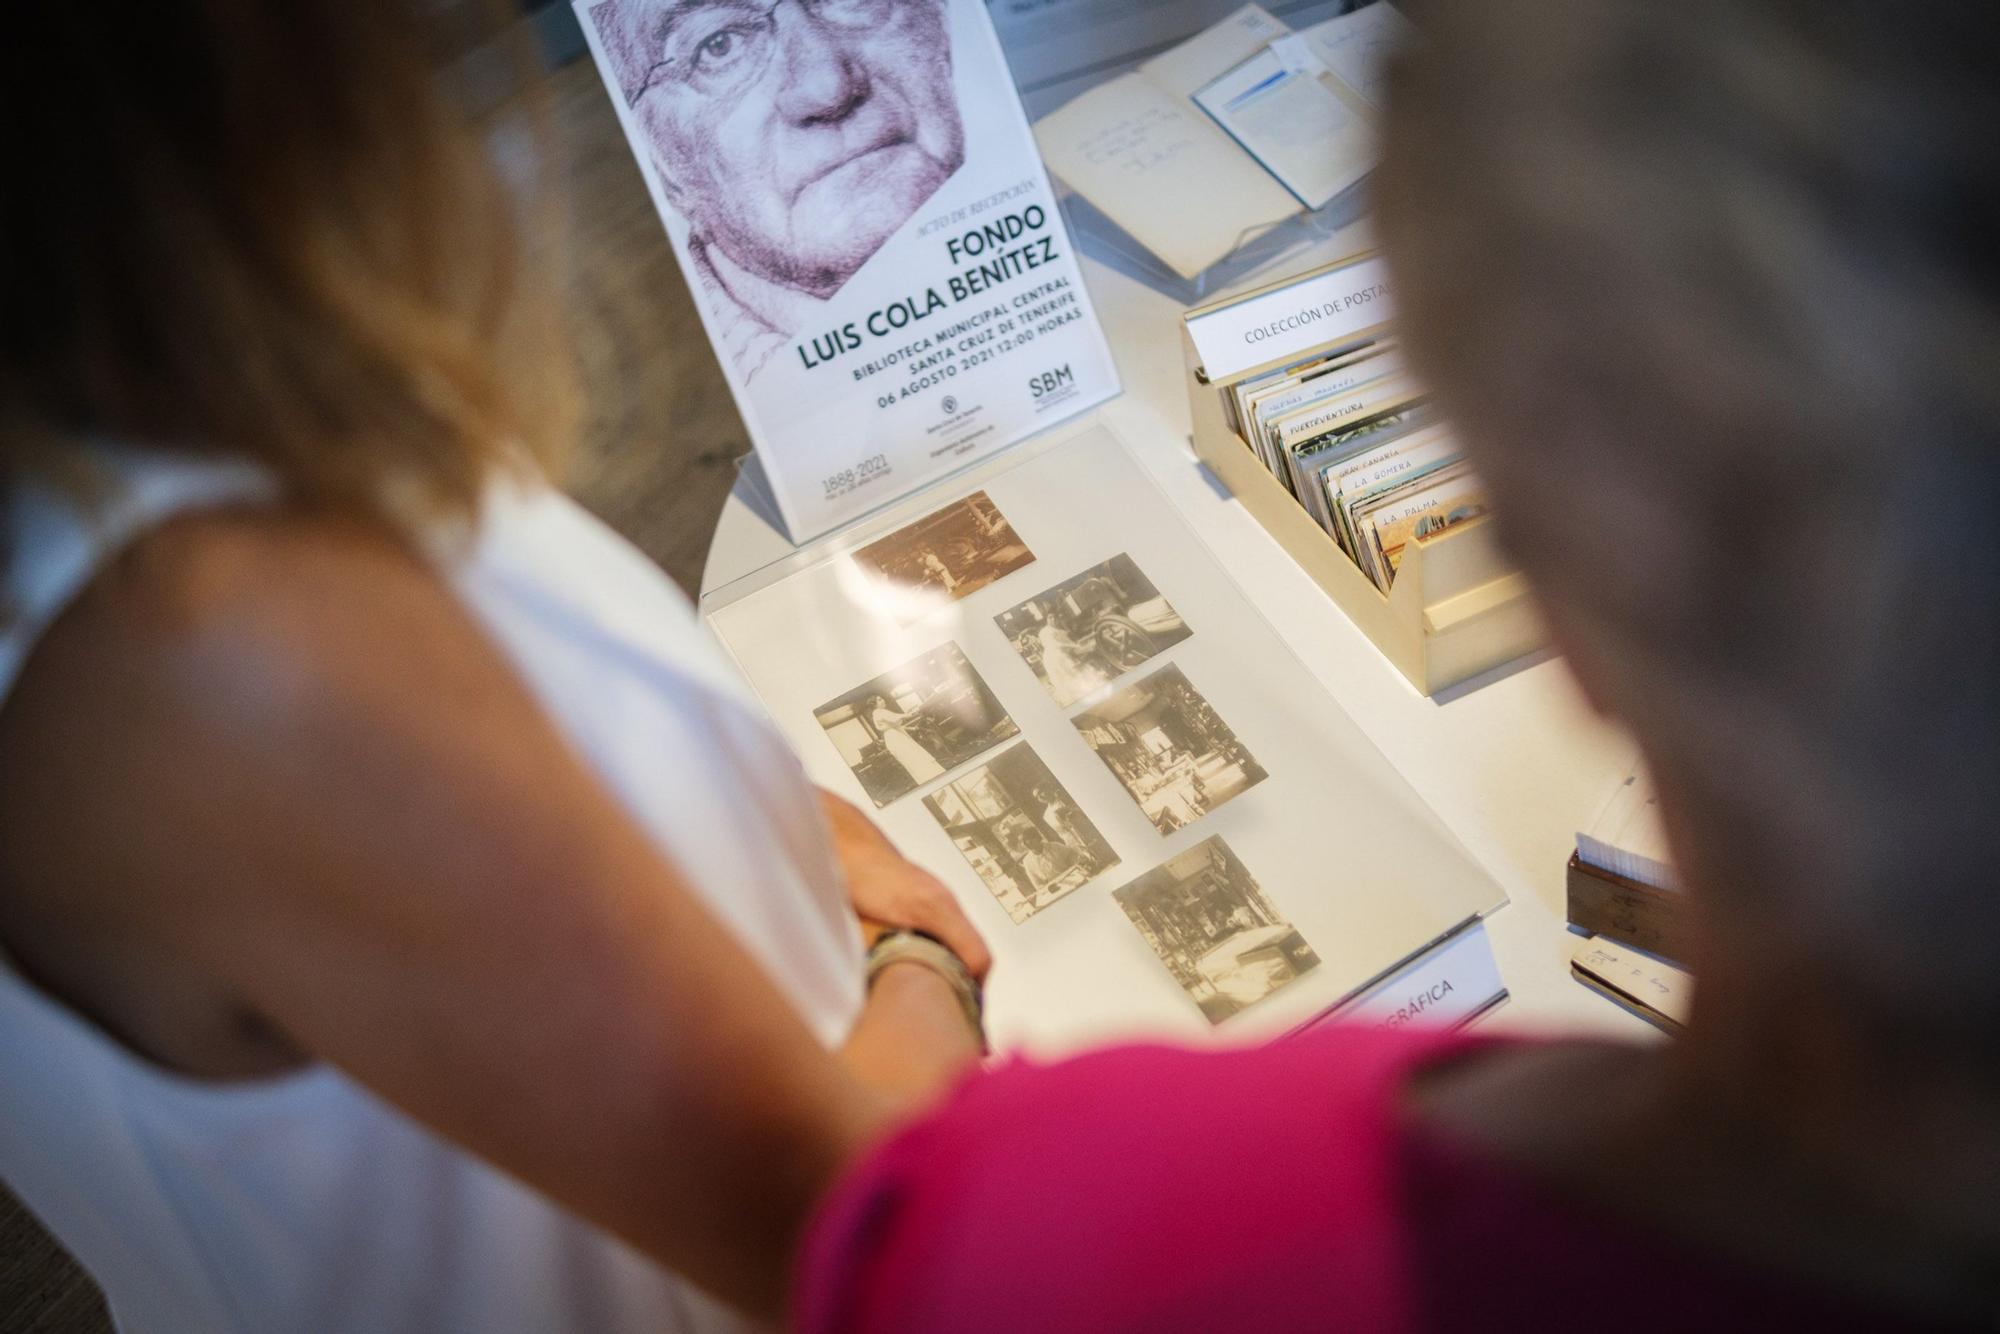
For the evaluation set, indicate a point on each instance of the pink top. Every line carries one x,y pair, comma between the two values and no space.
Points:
1276,1188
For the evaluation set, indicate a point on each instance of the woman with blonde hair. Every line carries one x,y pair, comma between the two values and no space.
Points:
406,921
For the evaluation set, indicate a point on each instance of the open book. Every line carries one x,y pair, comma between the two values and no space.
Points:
1244,126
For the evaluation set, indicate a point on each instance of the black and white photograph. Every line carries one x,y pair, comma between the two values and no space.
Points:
1170,749
1021,831
1222,939
949,553
915,724
1088,631
793,145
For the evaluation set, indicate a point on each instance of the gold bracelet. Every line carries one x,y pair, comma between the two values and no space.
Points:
915,947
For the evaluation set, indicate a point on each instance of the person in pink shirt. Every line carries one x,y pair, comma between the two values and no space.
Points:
1711,291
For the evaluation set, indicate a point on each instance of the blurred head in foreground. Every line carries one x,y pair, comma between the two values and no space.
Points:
1713,292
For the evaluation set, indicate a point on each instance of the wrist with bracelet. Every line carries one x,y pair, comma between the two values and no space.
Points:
907,946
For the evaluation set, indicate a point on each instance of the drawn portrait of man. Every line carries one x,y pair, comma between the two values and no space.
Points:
794,137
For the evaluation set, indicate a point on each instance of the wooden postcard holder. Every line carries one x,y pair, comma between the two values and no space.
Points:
1457,607
1630,912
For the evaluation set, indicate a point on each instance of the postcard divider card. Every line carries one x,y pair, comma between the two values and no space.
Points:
1047,692
858,206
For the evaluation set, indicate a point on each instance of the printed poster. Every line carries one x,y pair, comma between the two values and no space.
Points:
858,205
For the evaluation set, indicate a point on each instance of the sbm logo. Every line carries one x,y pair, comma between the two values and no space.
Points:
1049,381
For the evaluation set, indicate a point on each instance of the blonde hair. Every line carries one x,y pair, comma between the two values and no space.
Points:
270,231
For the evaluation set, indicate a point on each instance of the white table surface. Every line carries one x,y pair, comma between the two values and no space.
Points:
1514,763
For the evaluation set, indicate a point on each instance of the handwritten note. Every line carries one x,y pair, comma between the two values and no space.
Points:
1357,46
1146,143
1638,978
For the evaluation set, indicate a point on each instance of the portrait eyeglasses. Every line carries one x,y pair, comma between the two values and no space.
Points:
719,50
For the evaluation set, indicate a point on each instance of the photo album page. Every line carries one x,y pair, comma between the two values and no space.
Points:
1046,692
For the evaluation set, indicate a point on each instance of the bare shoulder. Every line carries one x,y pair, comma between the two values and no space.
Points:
322,590
222,636
243,723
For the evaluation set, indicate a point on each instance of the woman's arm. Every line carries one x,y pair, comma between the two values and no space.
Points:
267,775
907,1045
887,890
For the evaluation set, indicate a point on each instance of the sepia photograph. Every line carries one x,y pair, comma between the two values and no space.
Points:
1086,632
1221,938
1019,829
1169,748
950,553
916,723
794,146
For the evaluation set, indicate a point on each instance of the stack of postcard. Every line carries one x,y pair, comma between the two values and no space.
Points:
1351,434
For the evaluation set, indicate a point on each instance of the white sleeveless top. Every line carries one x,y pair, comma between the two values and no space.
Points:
303,1203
